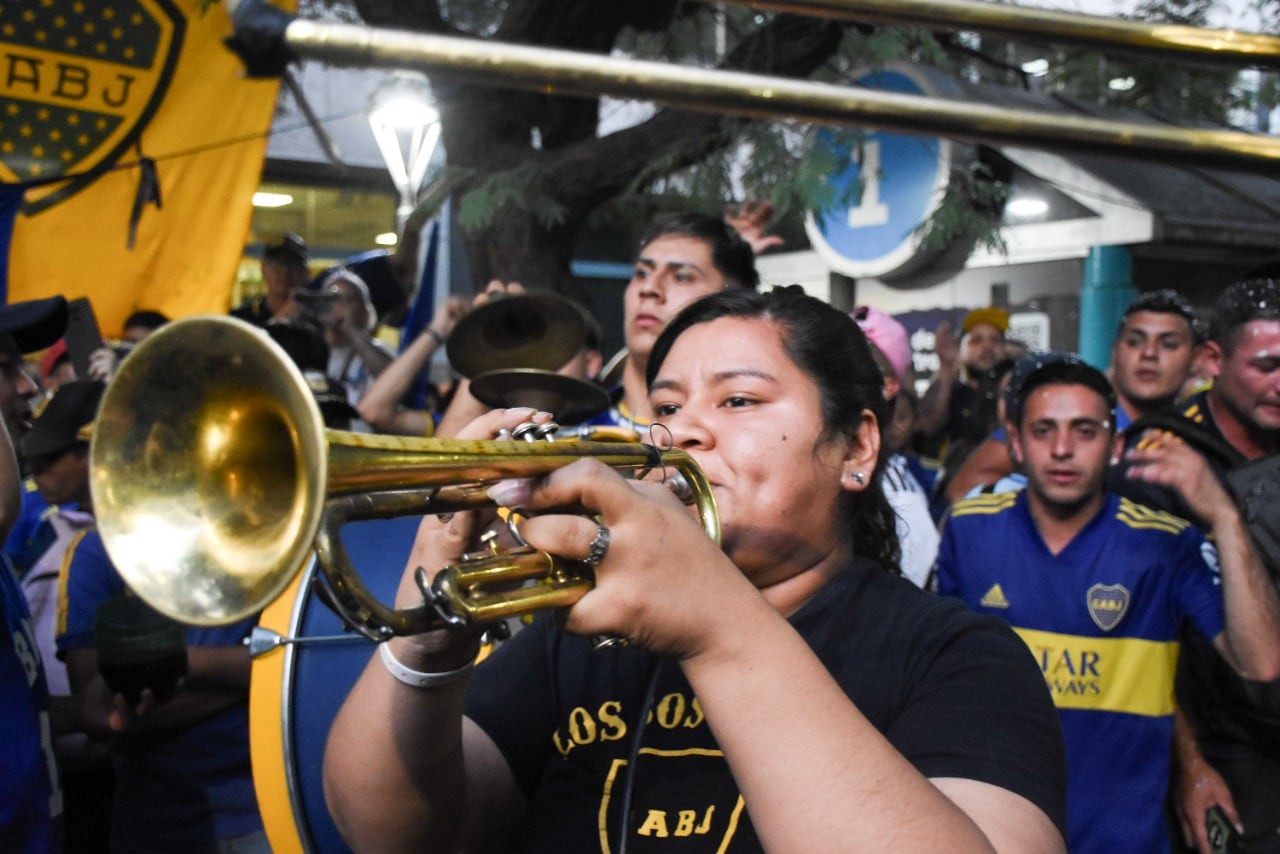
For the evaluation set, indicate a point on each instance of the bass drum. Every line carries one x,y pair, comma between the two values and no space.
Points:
297,688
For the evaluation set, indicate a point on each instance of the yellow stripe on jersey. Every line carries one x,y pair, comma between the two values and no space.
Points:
64,573
1142,517
984,504
1129,675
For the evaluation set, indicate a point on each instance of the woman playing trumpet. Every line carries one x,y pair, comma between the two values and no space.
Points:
790,692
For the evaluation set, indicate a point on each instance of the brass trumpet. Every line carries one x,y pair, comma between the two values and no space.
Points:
213,477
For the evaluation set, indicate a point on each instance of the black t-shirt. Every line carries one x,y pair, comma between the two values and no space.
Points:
1228,721
957,694
1193,422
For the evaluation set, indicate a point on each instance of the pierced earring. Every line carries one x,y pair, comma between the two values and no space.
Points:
859,478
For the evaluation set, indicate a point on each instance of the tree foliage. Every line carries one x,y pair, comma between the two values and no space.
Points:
1173,91
535,167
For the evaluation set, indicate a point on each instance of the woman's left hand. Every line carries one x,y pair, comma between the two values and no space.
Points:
662,580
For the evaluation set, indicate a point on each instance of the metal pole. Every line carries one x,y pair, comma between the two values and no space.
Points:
1192,44
565,72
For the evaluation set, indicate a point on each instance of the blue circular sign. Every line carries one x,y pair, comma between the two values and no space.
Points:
903,179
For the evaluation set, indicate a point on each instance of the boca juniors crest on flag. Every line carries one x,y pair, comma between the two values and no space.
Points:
81,81
136,141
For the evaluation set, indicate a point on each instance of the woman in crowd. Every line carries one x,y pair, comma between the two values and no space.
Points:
789,692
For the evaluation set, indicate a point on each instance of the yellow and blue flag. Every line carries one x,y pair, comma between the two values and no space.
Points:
137,141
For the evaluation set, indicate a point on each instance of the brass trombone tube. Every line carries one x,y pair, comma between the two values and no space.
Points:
565,72
1193,44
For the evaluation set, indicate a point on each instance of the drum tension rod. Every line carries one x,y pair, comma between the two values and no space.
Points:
261,641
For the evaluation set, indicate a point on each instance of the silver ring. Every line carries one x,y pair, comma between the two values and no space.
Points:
513,519
599,546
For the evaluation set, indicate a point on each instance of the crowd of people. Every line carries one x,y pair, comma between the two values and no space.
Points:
847,670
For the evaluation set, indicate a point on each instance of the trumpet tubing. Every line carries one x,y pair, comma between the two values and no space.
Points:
213,477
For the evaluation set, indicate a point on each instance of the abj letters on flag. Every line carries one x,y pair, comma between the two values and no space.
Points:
128,121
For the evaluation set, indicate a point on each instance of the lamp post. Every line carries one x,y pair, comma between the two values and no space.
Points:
406,126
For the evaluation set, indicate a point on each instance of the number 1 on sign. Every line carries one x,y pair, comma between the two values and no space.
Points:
870,211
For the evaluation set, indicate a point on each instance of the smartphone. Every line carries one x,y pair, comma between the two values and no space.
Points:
83,335
1223,838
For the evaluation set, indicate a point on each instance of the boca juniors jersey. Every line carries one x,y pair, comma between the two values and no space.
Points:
1102,619
30,797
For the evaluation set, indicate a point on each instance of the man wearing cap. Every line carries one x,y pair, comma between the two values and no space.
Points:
917,534
948,406
1100,588
182,770
56,455
30,796
285,271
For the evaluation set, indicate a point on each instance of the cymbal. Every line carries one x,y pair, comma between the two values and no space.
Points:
540,330
569,399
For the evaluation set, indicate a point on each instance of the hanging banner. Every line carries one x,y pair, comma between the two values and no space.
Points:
139,142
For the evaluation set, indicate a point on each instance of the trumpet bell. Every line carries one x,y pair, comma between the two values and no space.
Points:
204,481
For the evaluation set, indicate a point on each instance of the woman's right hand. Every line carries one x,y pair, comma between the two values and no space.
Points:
442,541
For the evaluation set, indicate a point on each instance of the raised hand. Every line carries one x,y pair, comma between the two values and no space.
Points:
751,220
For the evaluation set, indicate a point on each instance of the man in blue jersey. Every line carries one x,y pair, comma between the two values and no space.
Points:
183,775
1152,355
30,797
1100,587
179,750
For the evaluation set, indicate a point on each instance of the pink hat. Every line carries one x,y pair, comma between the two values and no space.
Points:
889,336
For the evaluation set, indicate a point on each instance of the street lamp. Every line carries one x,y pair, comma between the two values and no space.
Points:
406,126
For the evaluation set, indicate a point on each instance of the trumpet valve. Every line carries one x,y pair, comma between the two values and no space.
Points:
531,432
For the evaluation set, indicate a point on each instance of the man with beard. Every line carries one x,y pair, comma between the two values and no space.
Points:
947,408
1100,589
1235,426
